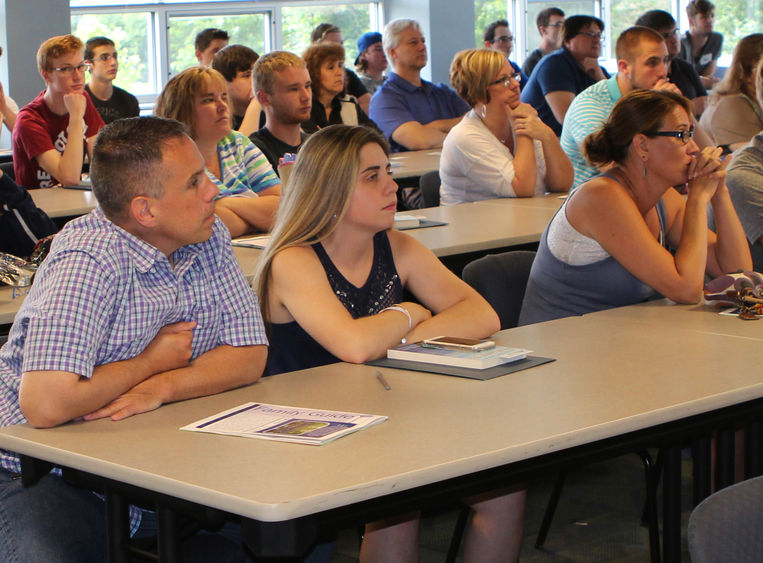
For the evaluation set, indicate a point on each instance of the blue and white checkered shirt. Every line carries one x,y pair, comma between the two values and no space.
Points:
103,294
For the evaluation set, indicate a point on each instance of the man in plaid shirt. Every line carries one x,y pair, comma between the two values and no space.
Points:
139,303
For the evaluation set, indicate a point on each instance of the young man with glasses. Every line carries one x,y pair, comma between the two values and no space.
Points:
562,75
680,72
53,131
549,22
498,37
111,101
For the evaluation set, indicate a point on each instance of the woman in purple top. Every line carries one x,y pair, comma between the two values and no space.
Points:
608,244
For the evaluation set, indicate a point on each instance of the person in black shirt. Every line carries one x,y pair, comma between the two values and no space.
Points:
282,85
680,72
329,33
331,106
110,101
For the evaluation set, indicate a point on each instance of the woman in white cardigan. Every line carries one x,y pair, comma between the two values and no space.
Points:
500,148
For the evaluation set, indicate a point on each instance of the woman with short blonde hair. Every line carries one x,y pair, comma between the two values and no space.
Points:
500,148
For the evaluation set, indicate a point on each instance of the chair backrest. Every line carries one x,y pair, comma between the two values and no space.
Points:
501,279
429,184
7,168
728,525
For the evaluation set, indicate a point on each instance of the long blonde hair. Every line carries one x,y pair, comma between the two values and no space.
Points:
746,55
317,195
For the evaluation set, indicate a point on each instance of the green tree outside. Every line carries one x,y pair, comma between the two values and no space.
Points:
298,23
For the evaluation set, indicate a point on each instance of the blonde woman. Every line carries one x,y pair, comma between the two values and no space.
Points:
733,115
500,148
249,189
331,288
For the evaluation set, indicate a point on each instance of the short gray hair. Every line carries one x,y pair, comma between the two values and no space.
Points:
392,31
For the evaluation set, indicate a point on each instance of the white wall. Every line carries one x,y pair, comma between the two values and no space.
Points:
444,29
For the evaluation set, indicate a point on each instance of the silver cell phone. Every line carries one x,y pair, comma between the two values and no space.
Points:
456,343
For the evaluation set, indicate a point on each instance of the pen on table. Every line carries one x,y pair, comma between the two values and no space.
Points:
383,381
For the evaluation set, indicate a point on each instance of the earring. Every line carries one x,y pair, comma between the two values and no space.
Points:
643,158
483,111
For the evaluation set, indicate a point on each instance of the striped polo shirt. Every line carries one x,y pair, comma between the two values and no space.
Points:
586,114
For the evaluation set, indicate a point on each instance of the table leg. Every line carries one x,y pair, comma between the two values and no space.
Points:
671,505
118,526
753,450
701,462
724,459
168,547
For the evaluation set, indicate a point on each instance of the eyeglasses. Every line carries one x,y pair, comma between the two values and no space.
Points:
685,135
69,69
560,23
591,34
106,57
516,77
503,39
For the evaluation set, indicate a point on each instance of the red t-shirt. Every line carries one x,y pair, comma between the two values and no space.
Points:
38,130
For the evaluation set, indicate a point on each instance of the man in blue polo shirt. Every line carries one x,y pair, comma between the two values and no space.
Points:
412,113
642,59
563,74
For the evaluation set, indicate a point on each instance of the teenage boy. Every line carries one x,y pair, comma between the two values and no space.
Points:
549,23
283,88
208,42
111,101
55,130
235,63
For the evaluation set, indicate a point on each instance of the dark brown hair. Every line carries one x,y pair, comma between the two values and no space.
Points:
640,111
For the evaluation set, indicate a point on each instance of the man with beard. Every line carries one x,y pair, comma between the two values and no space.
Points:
641,63
282,85
680,73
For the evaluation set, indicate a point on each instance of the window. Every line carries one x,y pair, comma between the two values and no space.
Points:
244,29
624,13
155,37
298,22
132,32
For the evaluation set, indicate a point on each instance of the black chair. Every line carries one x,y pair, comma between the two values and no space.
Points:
501,279
7,168
429,184
727,525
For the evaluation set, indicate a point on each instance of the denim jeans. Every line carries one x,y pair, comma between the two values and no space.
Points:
50,521
53,522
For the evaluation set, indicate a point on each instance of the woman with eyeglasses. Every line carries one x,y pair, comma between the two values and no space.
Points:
250,191
563,74
500,148
733,115
610,243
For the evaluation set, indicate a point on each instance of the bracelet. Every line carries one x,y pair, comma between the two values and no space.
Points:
402,310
